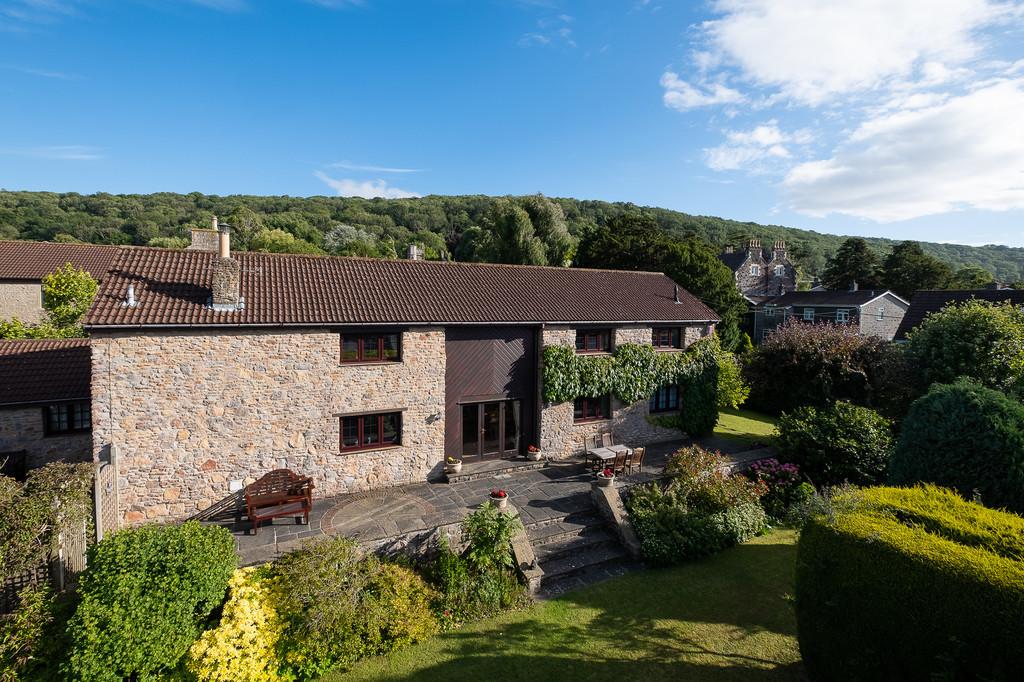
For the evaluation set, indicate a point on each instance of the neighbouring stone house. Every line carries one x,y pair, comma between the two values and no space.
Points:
928,301
210,369
761,272
44,403
875,313
23,265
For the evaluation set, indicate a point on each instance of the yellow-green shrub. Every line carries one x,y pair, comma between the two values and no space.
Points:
910,584
243,648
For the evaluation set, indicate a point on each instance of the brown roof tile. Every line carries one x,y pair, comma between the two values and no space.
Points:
44,370
930,301
173,288
24,260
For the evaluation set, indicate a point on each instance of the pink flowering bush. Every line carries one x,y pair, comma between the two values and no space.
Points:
782,485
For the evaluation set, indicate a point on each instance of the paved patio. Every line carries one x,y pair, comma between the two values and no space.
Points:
373,517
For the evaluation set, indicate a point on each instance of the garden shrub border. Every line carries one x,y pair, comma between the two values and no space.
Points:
910,583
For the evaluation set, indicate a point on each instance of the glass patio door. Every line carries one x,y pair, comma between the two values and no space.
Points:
490,430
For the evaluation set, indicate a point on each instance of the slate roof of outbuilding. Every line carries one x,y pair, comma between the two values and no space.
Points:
172,288
44,370
25,260
828,298
930,301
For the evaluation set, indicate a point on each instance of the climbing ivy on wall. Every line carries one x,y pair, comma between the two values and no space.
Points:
632,373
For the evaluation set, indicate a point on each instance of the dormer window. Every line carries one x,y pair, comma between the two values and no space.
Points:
593,340
780,270
755,270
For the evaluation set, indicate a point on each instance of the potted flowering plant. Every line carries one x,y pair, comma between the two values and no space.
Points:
605,478
452,465
533,453
499,497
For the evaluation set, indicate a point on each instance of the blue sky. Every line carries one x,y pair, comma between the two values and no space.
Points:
876,117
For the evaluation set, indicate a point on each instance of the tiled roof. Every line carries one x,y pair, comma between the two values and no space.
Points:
44,370
811,298
173,288
930,301
25,260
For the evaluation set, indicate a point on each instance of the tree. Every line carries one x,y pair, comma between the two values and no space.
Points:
549,223
279,241
514,238
977,339
245,224
635,242
347,240
67,294
971,277
908,269
853,262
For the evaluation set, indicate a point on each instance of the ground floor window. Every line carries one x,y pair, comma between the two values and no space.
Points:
665,399
592,409
67,418
368,431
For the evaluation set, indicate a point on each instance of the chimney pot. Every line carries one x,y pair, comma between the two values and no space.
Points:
854,286
728,248
675,292
223,240
213,223
414,252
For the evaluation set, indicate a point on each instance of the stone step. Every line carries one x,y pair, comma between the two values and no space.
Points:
498,469
560,529
589,540
554,586
586,559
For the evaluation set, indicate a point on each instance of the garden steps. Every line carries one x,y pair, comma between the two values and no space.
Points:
497,469
558,529
589,539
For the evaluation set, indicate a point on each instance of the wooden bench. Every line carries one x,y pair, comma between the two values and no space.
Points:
281,492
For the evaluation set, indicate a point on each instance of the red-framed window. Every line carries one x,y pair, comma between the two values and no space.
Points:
67,418
668,337
592,409
375,347
665,399
593,340
370,431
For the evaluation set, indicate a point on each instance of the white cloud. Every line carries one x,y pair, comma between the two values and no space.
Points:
550,30
348,165
683,96
368,189
72,152
814,50
966,152
751,149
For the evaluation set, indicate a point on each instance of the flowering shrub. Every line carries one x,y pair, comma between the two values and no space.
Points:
453,460
498,492
783,488
243,648
533,448
607,473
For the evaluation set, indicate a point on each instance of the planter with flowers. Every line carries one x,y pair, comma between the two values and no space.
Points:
533,453
605,478
499,497
452,465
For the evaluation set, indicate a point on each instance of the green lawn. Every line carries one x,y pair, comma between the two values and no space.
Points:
725,618
745,426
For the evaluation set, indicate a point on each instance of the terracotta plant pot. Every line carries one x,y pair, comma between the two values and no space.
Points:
453,468
500,502
605,481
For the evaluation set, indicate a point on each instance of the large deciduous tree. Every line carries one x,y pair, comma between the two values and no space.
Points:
635,242
908,269
854,262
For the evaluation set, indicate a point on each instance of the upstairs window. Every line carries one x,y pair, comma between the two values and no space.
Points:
769,311
593,341
592,409
665,399
379,347
842,316
880,315
755,270
67,418
371,431
780,270
809,314
668,337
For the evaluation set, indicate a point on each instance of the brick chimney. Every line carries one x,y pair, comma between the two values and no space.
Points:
754,245
204,240
779,249
728,248
226,273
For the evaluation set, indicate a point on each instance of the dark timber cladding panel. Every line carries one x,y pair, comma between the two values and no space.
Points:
489,363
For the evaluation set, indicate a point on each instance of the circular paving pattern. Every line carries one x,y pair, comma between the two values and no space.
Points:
376,514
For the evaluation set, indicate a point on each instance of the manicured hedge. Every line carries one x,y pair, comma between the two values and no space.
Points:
910,584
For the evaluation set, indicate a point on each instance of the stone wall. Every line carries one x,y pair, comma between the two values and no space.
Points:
193,411
23,429
23,300
561,437
885,328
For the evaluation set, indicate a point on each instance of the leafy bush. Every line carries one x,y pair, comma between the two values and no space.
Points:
699,511
243,647
816,364
976,339
966,437
784,491
732,390
910,584
339,605
481,581
145,596
67,294
841,442
22,631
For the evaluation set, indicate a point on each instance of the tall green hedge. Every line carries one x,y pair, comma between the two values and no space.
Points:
910,584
